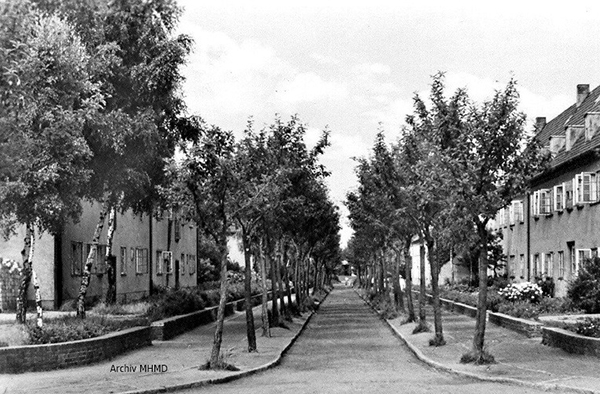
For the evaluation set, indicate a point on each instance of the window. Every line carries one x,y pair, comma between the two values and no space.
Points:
123,258
516,212
542,202
561,264
536,264
159,263
76,258
568,194
511,265
167,258
522,265
500,217
192,264
559,197
177,225
582,255
572,259
549,264
141,261
585,188
98,264
182,264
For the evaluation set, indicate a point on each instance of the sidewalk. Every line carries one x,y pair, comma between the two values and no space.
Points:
180,356
520,360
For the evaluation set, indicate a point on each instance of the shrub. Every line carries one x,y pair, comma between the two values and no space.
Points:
136,308
525,291
175,302
589,327
584,290
72,328
522,309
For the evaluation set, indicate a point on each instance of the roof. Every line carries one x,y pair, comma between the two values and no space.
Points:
572,116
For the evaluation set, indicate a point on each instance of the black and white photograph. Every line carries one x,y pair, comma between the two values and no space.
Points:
296,197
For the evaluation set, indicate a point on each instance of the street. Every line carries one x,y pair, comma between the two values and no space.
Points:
347,349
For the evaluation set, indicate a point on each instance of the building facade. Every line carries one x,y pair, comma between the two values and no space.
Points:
548,232
149,253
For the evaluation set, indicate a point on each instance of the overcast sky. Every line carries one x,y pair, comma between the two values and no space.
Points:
350,65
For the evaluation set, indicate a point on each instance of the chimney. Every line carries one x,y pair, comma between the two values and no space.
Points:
540,122
583,90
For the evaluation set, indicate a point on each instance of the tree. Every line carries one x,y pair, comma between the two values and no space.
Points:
202,184
489,165
48,96
253,196
433,133
135,59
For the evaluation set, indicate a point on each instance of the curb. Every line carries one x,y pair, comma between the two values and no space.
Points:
230,378
445,368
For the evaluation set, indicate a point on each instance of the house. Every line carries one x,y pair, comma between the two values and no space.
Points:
452,271
548,232
149,253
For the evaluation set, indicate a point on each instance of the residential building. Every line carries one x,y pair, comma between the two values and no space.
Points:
149,252
549,232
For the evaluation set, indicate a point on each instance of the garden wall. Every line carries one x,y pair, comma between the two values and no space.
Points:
570,342
522,326
171,327
16,359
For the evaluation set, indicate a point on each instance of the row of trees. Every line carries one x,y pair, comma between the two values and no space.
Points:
267,187
90,110
454,166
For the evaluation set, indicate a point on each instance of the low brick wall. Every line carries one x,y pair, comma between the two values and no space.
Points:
524,326
570,342
450,305
169,328
16,359
527,327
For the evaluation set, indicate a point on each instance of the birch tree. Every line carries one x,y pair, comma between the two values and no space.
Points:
47,97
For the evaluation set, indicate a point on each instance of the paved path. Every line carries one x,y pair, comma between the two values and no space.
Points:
181,355
346,348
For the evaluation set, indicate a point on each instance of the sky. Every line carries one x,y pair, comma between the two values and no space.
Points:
355,66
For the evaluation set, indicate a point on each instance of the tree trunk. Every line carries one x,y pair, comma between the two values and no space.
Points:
307,277
38,300
315,278
283,312
381,277
422,317
250,330
478,339
266,328
287,279
438,339
110,260
275,315
297,284
85,277
398,296
218,338
409,295
25,275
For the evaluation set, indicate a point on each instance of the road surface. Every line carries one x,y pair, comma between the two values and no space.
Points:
346,348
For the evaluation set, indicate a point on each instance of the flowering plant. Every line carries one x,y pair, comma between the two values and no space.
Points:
10,265
525,291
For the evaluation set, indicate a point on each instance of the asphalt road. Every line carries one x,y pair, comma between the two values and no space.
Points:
347,349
